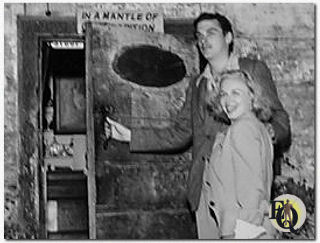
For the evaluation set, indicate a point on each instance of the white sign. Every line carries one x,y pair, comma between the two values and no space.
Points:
142,21
60,44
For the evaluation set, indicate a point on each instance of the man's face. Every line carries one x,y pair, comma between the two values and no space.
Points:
210,39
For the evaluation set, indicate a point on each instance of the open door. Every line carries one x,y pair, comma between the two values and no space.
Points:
138,79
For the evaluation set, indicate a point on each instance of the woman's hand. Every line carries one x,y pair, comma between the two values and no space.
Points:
271,132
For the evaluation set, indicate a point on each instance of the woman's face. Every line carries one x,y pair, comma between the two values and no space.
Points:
235,98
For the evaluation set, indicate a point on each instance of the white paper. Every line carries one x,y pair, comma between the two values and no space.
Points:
245,230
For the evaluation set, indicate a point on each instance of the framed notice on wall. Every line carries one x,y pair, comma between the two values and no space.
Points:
136,20
70,105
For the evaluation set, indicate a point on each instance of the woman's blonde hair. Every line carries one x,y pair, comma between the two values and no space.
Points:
261,105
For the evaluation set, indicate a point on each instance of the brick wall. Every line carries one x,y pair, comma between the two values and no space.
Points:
283,35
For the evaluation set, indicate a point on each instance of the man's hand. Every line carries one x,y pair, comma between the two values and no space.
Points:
116,131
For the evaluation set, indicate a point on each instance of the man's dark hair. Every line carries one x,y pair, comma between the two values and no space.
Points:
223,21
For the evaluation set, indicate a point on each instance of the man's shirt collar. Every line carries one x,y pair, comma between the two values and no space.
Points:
232,64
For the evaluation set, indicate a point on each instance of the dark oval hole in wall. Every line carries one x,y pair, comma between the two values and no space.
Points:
149,66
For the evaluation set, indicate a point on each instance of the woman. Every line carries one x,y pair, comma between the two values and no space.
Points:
238,176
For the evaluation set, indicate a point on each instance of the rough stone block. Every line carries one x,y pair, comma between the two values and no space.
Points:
72,215
299,101
11,11
268,20
142,185
10,158
162,224
291,61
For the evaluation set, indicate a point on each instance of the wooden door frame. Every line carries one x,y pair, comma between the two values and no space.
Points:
90,140
31,30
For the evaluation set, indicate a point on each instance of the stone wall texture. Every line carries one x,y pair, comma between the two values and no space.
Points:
283,35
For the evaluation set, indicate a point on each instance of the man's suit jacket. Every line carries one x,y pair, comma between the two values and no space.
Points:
200,128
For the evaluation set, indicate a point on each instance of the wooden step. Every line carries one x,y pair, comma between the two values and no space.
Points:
66,185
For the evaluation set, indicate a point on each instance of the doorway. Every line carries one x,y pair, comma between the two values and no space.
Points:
64,138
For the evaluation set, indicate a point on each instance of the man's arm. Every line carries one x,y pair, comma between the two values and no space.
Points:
176,137
280,119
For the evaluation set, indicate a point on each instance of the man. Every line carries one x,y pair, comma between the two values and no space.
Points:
287,213
215,41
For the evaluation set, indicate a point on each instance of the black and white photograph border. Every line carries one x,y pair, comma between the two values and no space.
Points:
94,185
